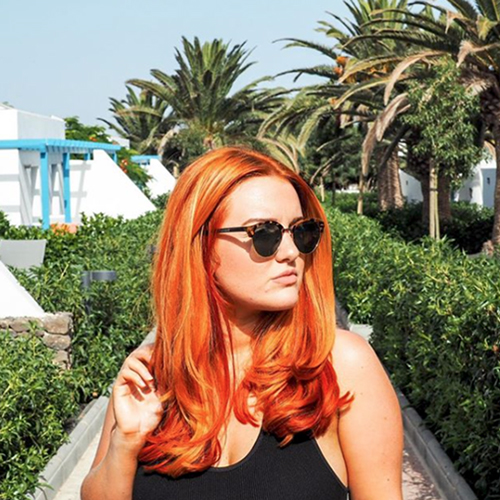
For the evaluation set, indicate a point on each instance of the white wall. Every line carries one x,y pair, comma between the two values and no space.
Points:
19,170
489,180
17,124
15,301
162,180
472,189
410,187
98,185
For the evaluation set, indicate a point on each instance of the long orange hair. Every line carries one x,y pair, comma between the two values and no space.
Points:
291,376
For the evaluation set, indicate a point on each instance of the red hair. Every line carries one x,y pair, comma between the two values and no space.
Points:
291,376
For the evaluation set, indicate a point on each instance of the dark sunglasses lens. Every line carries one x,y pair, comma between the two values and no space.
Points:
267,239
307,235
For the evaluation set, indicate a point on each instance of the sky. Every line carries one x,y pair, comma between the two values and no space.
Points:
67,58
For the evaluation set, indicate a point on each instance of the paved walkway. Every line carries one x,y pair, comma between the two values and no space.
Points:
416,482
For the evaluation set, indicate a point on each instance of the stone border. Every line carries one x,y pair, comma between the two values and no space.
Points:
450,484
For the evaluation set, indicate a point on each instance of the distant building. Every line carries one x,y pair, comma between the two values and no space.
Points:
39,180
478,189
162,181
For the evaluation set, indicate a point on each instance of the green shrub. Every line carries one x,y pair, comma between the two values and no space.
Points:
469,227
37,398
120,313
435,314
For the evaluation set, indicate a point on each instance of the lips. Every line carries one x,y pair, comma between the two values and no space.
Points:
287,278
290,272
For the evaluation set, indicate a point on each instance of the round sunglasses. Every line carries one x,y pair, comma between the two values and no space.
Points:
267,236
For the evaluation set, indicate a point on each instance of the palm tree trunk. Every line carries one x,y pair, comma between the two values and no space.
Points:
389,185
495,237
395,180
444,197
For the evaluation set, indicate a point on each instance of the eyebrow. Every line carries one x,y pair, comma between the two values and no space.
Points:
264,219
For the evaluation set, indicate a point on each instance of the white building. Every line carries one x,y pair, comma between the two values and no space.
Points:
38,180
479,188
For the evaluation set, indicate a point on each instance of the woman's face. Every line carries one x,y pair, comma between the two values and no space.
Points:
250,282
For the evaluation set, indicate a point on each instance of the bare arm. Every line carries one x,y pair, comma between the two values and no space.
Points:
134,410
370,430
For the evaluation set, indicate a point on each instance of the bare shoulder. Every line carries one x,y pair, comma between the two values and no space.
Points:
353,357
370,427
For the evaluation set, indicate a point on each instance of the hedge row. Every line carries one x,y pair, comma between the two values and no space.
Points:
436,322
469,227
42,400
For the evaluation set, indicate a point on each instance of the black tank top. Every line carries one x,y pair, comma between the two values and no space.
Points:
299,471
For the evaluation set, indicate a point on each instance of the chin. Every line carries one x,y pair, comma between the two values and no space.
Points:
282,304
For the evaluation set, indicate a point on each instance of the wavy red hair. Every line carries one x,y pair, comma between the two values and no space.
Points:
291,377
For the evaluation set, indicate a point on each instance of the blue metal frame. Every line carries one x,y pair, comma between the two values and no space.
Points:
66,147
144,159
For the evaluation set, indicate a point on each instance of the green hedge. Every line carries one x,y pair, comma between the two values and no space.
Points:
436,322
469,227
119,318
36,400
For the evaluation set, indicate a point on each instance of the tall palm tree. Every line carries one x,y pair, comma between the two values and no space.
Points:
471,35
201,96
358,98
139,118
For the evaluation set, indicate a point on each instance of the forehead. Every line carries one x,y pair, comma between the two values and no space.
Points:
263,197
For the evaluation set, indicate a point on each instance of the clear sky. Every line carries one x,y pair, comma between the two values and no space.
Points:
64,58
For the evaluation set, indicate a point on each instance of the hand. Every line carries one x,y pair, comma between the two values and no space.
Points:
136,401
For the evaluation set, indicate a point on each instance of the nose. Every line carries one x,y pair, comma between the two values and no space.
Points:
287,250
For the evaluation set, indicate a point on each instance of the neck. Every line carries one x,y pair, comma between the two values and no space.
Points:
240,335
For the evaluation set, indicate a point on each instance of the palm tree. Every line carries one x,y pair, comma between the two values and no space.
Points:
355,98
200,95
139,119
471,35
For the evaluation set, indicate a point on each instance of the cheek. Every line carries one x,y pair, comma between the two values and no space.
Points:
235,271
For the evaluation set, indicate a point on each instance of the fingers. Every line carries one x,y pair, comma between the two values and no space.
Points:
134,371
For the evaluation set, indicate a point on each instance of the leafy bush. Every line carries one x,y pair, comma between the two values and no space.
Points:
110,319
37,398
469,227
435,314
119,315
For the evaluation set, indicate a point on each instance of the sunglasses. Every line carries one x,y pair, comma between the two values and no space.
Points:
267,236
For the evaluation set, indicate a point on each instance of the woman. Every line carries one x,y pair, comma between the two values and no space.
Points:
249,392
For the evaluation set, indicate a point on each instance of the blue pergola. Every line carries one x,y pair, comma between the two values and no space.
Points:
144,159
66,147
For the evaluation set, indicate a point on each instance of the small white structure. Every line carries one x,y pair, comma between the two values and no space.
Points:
162,181
99,185
15,301
410,187
39,181
480,187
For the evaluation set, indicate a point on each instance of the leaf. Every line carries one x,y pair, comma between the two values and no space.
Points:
376,132
467,48
403,66
484,26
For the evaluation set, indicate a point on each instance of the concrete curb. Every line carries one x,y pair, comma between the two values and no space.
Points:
61,465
